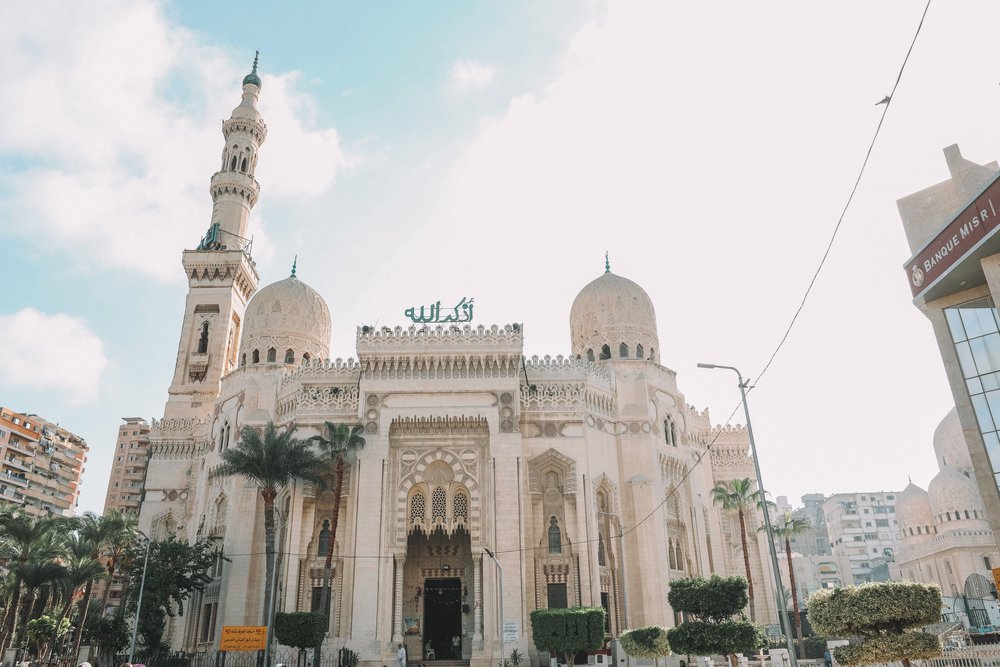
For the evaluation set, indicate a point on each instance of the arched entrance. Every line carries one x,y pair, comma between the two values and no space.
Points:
439,572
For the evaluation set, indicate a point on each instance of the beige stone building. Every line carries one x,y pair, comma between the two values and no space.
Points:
946,537
470,446
42,464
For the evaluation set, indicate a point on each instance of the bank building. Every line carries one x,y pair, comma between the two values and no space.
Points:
588,476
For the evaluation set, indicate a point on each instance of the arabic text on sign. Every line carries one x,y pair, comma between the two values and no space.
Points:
433,314
243,638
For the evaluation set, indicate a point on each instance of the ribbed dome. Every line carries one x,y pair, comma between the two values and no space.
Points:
953,492
913,508
286,315
950,447
614,312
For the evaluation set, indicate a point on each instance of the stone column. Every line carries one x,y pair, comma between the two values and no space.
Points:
477,619
397,603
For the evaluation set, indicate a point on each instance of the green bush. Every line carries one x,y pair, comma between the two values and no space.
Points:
714,599
647,642
566,631
301,629
717,637
884,617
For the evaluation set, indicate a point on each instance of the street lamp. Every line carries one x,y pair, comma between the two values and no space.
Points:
779,589
500,599
621,549
142,588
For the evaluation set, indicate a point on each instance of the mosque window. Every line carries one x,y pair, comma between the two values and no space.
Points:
272,355
671,556
243,165
927,529
305,357
911,531
652,354
222,437
256,356
918,530
324,539
438,505
243,359
623,351
203,339
232,165
417,506
289,357
605,352
602,557
638,351
555,537
590,355
986,562
461,508
225,443
947,515
967,514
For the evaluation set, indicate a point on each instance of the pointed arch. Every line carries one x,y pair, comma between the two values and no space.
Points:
623,351
605,352
552,461
638,351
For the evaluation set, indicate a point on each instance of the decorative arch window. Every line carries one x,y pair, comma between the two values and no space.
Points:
605,352
652,354
927,529
669,432
911,531
324,538
232,165
671,556
638,351
918,530
460,508
418,505
680,556
602,557
243,166
256,356
272,355
555,537
222,437
623,351
203,339
289,357
225,440
438,504
305,357
986,562
243,359
967,514
590,355
948,515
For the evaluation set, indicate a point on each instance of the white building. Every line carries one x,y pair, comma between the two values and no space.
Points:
469,446
863,534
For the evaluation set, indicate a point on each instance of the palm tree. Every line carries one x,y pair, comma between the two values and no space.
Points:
98,532
787,529
272,460
739,496
341,444
81,569
122,533
23,538
37,577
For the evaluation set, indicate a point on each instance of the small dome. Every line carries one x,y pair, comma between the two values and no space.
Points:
288,317
252,76
950,447
953,493
913,509
613,318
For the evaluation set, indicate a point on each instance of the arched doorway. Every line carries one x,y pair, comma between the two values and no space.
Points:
438,619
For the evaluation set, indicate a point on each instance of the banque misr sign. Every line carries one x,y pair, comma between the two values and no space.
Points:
960,237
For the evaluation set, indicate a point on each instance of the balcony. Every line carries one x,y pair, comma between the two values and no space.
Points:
23,446
17,479
16,463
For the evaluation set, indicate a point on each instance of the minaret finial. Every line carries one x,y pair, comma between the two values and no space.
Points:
295,263
607,263
256,55
252,76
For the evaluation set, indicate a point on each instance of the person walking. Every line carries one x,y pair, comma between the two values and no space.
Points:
401,656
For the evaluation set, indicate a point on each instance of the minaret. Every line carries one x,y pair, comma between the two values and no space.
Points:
221,273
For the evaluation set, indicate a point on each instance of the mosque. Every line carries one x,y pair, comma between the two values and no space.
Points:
588,476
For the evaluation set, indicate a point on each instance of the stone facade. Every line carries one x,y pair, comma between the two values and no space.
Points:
590,480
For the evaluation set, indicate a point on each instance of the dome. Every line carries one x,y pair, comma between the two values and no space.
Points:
613,318
950,447
953,493
913,509
289,318
252,76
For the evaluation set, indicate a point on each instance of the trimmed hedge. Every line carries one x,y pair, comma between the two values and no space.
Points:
714,638
567,631
713,599
646,642
889,648
301,629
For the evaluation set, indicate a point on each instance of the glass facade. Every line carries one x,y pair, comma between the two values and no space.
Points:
976,335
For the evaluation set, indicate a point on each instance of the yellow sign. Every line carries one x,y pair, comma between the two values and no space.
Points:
996,577
243,638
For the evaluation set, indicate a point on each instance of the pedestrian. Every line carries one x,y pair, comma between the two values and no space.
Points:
827,658
401,656
456,647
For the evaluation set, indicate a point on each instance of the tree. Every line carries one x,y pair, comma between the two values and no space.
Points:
176,571
98,532
272,460
341,444
786,530
568,631
738,497
886,616
301,629
646,642
23,539
45,630
122,529
713,603
111,635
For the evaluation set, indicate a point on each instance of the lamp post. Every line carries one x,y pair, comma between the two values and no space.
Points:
138,606
274,586
499,599
779,589
621,550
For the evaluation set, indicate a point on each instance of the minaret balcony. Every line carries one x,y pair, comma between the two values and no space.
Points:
197,366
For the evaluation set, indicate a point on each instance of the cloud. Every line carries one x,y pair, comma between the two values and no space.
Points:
471,75
57,352
111,131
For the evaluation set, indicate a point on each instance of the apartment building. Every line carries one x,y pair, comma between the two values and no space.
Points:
864,534
128,467
41,463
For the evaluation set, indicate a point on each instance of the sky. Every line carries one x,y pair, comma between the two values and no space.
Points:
428,151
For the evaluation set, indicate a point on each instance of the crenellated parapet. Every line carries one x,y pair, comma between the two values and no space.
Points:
550,368
567,396
238,184
164,428
318,400
256,128
375,340
324,370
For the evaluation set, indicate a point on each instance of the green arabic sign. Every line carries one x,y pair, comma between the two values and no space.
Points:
433,314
